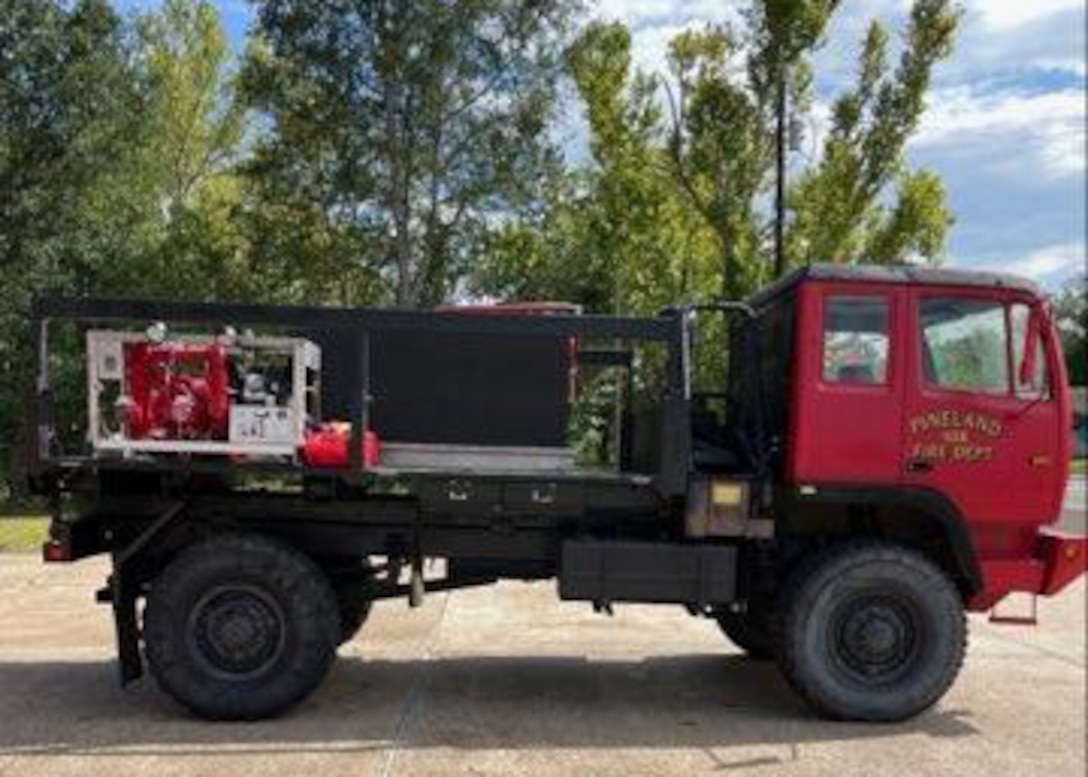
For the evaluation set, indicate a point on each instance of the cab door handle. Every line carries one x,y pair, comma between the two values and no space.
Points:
919,465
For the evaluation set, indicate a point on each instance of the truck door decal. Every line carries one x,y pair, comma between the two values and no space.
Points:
949,435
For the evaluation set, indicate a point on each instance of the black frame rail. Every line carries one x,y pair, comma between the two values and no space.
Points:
670,328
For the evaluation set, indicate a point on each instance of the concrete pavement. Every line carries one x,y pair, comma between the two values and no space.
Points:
1075,508
507,680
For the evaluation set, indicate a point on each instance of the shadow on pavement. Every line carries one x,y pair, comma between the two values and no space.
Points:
699,701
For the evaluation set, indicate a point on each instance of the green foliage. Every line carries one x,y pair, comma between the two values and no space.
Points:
839,209
70,103
720,147
1071,314
399,131
116,156
618,237
590,425
23,533
675,205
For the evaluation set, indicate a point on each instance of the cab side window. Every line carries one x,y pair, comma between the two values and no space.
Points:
965,344
856,340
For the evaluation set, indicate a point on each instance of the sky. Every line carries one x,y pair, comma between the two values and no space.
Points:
1005,124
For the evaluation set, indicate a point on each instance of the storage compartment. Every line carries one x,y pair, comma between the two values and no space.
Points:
606,572
460,495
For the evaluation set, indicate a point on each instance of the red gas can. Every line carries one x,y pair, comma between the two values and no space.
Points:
327,446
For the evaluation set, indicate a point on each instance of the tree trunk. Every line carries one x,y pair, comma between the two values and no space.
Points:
395,151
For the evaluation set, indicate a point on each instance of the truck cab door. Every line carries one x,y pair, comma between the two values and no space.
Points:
982,425
849,377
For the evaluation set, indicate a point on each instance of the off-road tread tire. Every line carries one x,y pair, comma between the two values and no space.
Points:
312,626
353,602
750,633
799,601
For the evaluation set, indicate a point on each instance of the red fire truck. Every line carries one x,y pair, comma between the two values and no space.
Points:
888,452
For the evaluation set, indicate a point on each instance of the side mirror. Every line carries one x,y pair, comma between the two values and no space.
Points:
1031,341
1028,371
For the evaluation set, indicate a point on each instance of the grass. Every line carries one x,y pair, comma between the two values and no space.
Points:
24,532
1079,466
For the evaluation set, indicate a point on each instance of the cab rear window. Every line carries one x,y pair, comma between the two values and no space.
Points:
856,340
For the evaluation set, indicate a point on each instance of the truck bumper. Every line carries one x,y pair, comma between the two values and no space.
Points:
1058,560
1063,557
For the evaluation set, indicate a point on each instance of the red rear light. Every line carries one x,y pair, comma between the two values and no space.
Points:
56,551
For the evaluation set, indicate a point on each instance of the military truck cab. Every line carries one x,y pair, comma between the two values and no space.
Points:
924,396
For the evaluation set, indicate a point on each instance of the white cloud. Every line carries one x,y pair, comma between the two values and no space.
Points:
1050,266
650,45
1020,35
654,23
1003,14
1046,129
637,13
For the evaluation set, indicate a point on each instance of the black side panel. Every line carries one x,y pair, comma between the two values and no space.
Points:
455,388
647,572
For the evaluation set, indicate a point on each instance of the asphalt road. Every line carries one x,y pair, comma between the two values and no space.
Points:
506,680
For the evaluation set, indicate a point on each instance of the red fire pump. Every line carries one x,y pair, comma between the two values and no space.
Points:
177,391
197,393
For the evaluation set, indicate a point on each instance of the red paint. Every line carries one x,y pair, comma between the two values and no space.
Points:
328,446
1001,459
56,552
845,433
1064,558
177,391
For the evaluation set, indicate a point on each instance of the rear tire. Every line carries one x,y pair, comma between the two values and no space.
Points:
749,631
353,603
240,627
871,631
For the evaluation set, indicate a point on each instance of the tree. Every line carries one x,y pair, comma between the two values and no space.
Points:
71,105
1071,313
721,145
197,120
680,199
404,130
115,158
170,202
839,205
618,236
68,101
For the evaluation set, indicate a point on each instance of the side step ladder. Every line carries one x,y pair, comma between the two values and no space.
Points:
1018,620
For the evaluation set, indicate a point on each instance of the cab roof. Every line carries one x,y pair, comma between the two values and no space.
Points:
896,273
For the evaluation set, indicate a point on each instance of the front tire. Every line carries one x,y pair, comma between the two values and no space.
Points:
749,631
871,632
240,627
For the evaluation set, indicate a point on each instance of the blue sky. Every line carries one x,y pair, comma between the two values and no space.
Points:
1005,124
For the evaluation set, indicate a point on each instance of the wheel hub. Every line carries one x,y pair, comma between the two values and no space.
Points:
875,638
237,631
